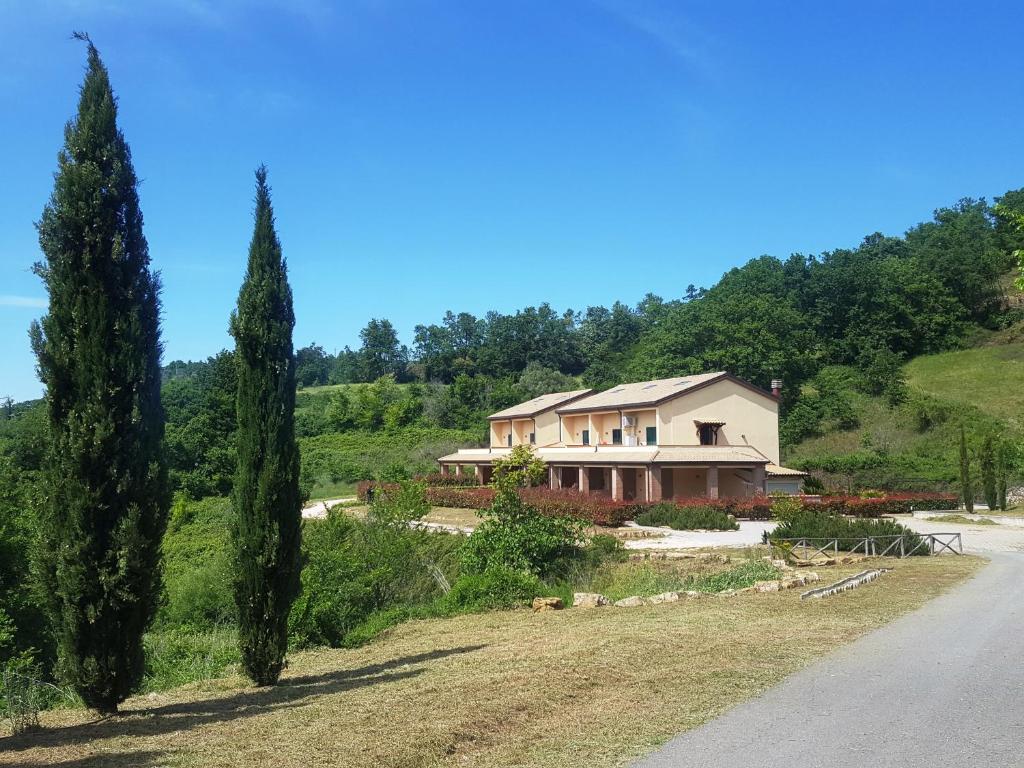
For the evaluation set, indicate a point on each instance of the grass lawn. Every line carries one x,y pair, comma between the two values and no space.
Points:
325,489
569,688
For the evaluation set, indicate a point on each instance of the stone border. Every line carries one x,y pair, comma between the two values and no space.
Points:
844,585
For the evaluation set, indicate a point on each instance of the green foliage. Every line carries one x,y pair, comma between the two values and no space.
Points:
362,575
98,349
496,586
197,566
966,484
786,507
360,455
987,467
522,467
515,535
181,655
818,528
687,518
201,424
268,503
536,380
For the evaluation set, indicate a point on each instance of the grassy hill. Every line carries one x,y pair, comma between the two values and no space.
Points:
915,444
989,377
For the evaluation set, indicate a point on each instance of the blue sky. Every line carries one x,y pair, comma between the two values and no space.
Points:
430,155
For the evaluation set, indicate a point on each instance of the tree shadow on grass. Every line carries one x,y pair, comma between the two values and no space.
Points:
145,759
170,718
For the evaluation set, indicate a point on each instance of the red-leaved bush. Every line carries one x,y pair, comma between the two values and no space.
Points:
602,510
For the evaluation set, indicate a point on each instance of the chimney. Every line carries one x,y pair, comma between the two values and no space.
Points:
777,387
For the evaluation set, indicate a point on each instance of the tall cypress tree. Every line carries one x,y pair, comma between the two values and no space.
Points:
966,485
98,349
266,492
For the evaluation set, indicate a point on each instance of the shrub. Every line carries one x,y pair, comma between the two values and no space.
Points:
497,586
818,528
687,517
516,535
436,479
872,506
22,694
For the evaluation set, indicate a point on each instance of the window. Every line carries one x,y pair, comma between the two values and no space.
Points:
652,435
616,437
708,434
508,440
533,438
586,437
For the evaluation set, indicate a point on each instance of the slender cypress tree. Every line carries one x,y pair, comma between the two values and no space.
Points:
987,464
1002,460
966,485
98,349
267,502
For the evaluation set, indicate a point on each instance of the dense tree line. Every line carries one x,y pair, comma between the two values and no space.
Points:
770,318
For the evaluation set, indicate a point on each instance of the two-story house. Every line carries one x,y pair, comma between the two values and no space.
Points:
710,435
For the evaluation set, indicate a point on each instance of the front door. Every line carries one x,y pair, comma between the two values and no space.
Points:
629,483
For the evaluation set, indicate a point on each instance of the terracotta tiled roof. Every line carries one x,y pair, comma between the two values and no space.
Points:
641,394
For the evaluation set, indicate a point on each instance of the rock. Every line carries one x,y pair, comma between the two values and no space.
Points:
811,577
692,594
547,604
766,586
727,593
629,602
782,565
589,600
664,597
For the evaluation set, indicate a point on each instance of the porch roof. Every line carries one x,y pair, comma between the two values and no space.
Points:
667,454
774,470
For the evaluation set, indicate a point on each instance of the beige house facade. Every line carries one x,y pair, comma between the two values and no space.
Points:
711,435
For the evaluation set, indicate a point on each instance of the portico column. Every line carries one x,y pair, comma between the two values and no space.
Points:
759,480
617,483
655,483
479,474
458,470
554,478
445,469
712,482
584,483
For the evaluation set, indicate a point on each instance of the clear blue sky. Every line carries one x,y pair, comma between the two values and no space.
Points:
438,154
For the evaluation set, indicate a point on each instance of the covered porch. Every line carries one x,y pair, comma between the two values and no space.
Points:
656,482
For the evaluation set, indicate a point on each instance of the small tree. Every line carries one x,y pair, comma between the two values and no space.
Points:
98,348
522,465
966,486
1002,469
268,503
987,464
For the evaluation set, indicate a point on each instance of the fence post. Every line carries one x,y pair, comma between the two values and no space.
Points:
902,549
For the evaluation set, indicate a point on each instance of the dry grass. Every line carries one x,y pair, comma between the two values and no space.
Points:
570,688
961,520
464,518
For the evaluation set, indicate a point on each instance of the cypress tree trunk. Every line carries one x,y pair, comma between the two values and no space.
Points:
99,349
267,501
987,461
966,486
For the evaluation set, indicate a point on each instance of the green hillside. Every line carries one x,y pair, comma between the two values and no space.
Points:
989,377
913,443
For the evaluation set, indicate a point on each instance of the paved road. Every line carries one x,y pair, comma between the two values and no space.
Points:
943,686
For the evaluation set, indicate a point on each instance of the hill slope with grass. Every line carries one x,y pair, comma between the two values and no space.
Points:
909,438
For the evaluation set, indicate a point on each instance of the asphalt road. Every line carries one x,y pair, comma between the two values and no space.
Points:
943,686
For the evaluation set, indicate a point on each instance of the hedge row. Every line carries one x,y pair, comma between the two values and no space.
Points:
438,479
601,510
891,504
